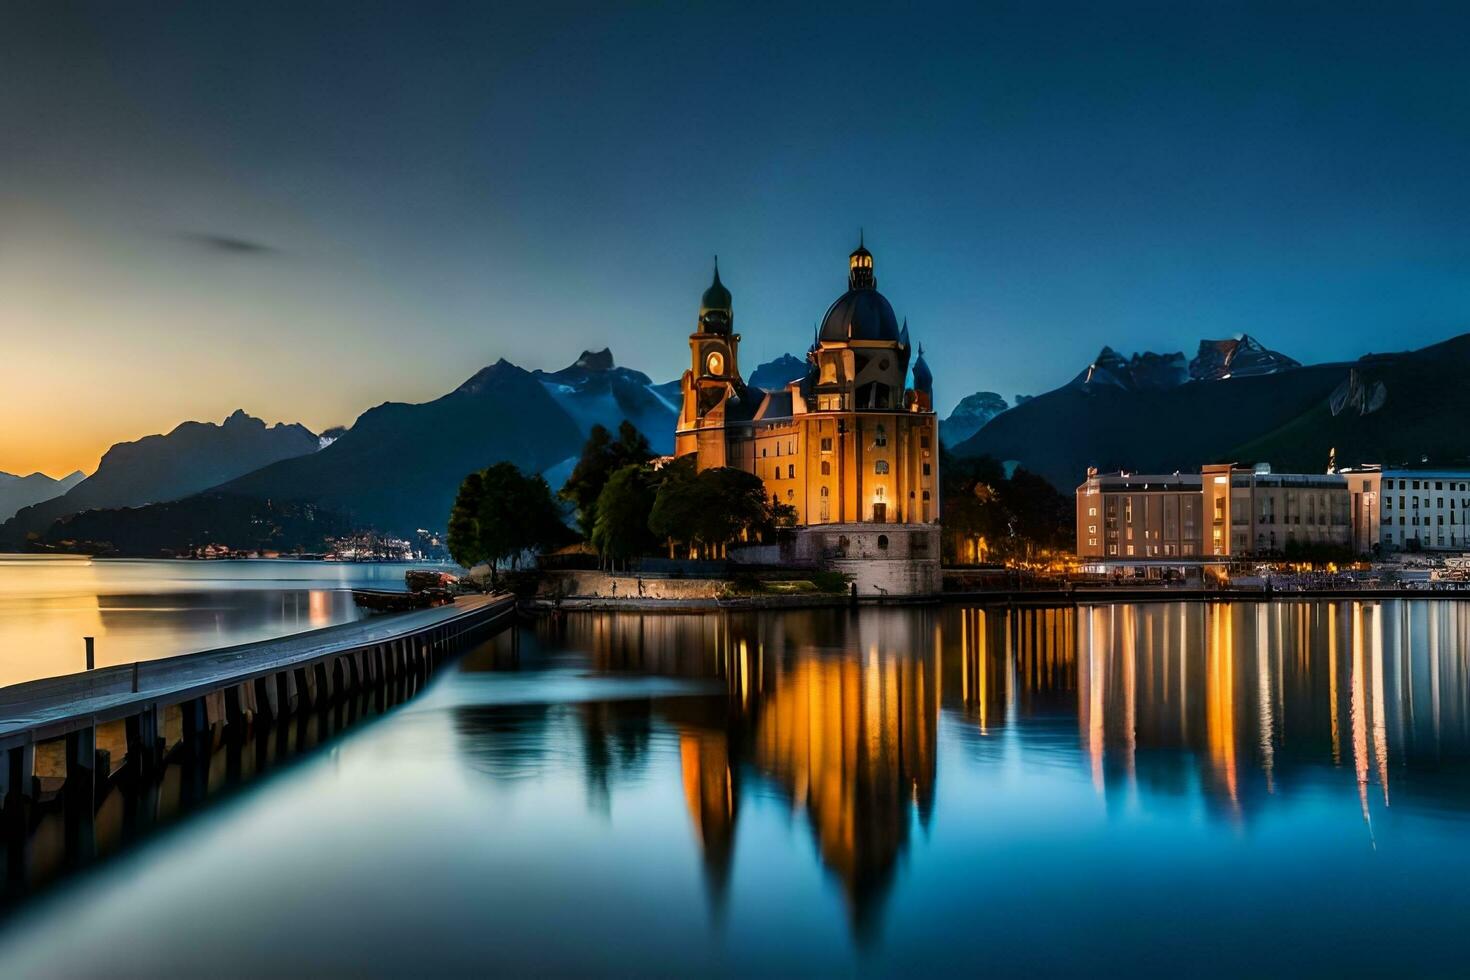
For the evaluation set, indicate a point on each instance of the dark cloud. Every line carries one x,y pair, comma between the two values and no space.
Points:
228,244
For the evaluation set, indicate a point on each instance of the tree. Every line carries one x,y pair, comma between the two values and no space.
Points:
501,513
677,504
708,511
621,528
602,456
987,514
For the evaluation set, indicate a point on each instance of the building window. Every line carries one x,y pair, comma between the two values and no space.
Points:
826,444
880,436
880,466
790,472
923,442
882,542
926,469
823,492
826,469
926,495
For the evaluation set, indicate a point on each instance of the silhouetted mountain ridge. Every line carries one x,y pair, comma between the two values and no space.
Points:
191,457
23,491
1390,408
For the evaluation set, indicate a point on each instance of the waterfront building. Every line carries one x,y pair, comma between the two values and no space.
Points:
1410,510
1253,511
852,446
1225,511
1131,515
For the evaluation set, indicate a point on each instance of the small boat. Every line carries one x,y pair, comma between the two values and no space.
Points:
427,579
379,600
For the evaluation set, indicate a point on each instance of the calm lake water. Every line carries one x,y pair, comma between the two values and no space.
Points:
143,610
1217,789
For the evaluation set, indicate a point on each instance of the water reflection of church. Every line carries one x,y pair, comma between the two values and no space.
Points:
1233,704
850,740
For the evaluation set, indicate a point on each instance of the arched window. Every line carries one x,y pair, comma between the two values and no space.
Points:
880,466
824,491
826,468
926,494
790,471
880,436
882,542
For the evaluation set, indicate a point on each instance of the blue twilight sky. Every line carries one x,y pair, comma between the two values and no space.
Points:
304,209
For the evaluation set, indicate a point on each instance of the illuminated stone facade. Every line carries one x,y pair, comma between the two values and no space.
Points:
850,443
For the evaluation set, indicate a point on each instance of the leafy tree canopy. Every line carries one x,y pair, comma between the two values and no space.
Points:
602,456
620,530
501,513
1015,515
711,510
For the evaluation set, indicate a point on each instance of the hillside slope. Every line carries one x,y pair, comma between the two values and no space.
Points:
193,456
399,466
1063,432
23,491
1386,408
1389,408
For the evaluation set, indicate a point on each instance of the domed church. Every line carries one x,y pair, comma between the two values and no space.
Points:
853,446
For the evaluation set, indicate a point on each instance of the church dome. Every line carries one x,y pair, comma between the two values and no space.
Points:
860,314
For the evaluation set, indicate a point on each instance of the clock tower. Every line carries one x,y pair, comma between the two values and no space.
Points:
713,379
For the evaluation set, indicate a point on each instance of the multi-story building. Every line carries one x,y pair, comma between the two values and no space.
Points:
852,447
1130,515
1253,511
1411,510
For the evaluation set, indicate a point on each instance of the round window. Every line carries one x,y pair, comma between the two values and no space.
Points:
715,363
883,364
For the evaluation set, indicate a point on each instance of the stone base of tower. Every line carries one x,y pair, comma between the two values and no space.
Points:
882,559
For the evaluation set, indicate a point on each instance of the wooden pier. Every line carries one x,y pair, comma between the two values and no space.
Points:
190,703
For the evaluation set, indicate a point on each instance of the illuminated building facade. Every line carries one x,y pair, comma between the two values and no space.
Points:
1125,515
852,446
1252,511
1410,510
1225,511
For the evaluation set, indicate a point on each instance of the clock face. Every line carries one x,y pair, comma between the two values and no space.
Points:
715,363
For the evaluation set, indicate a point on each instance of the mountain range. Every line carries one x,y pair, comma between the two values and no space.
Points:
397,468
1241,403
1241,356
969,416
193,456
22,491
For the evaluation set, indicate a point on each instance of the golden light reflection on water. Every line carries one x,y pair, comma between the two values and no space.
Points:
842,712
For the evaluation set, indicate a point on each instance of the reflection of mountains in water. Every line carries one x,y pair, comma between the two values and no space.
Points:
840,711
